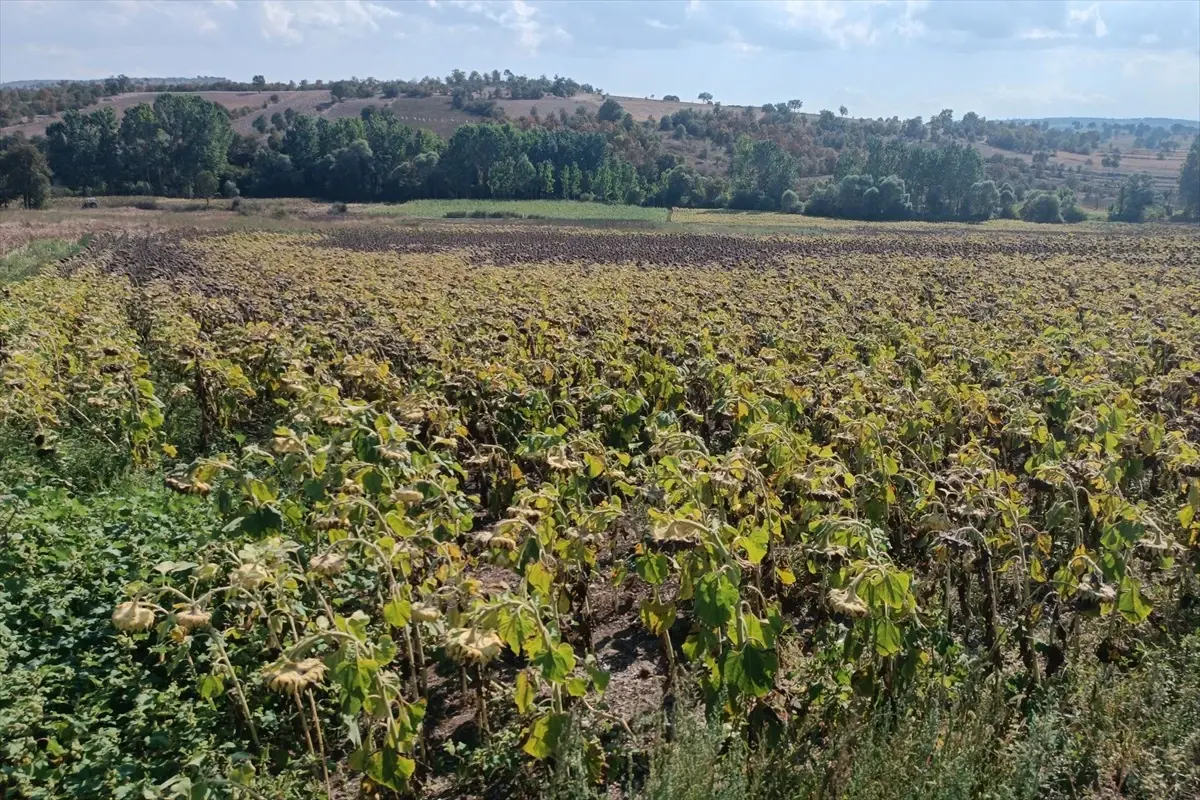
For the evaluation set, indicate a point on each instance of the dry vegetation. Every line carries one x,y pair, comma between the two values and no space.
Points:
460,510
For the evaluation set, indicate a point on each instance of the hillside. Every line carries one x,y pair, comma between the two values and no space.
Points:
433,113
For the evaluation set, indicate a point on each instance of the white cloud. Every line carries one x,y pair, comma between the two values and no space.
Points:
1079,17
521,18
659,24
121,13
228,4
287,19
840,23
739,45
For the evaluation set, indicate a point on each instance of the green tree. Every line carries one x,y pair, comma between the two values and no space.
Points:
1189,182
983,198
1135,196
546,179
502,179
260,123
24,174
789,203
610,111
761,167
705,97
205,185
1042,207
258,82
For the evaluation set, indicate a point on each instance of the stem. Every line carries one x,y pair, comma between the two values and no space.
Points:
237,685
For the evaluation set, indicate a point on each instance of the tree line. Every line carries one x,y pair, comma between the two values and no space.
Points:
183,145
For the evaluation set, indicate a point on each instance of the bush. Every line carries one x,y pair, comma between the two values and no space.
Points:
1042,207
1073,214
789,203
338,208
147,205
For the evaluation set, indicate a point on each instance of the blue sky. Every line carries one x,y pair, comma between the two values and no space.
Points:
1010,58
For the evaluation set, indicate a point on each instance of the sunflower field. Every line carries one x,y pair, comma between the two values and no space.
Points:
519,511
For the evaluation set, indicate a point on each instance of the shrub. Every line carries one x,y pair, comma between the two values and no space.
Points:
789,203
338,208
1042,206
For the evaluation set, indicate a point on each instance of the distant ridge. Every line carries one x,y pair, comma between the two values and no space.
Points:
40,82
1067,122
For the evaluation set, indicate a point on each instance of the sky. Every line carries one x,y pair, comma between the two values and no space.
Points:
1003,59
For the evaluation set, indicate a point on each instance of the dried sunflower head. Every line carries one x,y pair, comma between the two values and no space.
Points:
409,497
327,564
472,645
249,576
846,601
132,616
287,675
193,617
424,612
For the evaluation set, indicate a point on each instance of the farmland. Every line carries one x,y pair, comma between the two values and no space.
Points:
390,507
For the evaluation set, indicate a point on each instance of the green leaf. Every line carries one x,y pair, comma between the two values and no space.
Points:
556,663
388,768
595,465
261,493
398,522
524,693
755,544
397,612
211,686
657,617
716,600
887,637
653,568
544,735
751,670
539,578
1130,603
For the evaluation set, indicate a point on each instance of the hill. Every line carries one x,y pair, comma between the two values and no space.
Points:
433,113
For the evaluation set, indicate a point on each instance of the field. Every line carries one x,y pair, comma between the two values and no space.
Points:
372,508
536,209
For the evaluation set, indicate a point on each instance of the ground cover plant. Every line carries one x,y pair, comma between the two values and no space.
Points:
520,511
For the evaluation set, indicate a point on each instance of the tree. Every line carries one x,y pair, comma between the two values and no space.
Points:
789,203
546,179
258,82
610,111
1189,182
24,174
761,167
205,185
705,97
671,98
795,105
1042,206
260,123
983,198
843,110
1135,196
229,190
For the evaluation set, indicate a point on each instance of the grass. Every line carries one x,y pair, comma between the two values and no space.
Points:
32,258
538,209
